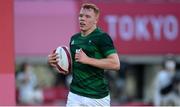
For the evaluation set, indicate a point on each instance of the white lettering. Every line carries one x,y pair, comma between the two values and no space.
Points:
111,20
141,28
126,28
156,25
170,28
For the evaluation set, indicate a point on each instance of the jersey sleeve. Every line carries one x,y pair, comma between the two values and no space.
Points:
106,45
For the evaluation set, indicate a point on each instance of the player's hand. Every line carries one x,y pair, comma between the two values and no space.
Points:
52,59
81,57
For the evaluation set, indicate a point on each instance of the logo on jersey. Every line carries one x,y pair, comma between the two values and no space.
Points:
90,41
72,43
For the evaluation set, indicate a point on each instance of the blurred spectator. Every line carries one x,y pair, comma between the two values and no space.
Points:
117,84
173,98
163,82
29,92
68,80
120,82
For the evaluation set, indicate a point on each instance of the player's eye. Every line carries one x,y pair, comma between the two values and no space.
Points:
88,16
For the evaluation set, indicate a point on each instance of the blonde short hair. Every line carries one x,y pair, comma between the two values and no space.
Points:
91,6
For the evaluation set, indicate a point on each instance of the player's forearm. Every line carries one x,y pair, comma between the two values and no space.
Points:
106,63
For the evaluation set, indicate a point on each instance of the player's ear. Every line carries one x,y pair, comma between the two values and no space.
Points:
96,21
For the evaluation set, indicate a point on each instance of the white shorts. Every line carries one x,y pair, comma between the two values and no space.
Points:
77,100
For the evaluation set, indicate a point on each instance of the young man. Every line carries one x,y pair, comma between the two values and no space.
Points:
92,51
164,83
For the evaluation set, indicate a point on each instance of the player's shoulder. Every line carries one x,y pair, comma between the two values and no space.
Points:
104,35
100,32
76,35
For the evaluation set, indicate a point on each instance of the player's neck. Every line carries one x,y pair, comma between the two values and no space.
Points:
86,33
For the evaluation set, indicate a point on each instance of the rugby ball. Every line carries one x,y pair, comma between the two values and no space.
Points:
64,59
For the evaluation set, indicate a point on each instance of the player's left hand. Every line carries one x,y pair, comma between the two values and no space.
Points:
81,57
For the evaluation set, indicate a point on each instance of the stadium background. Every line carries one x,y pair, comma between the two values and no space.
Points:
144,32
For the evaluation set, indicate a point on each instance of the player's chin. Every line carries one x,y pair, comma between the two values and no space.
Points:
82,29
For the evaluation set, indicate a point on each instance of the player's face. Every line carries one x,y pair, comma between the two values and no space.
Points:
87,19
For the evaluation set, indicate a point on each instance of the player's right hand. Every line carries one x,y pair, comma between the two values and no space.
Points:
52,59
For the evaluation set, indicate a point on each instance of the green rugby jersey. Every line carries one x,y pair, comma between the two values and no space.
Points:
87,80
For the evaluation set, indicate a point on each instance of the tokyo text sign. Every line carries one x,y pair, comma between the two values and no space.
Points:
143,28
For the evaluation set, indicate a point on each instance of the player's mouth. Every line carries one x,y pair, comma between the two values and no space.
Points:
82,24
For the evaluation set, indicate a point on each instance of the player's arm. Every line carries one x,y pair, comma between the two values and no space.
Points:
110,62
